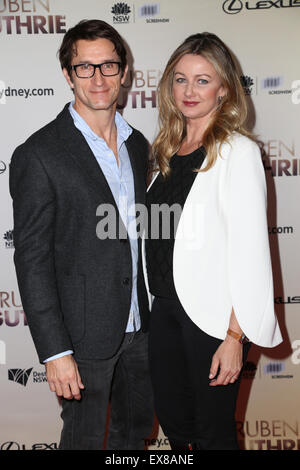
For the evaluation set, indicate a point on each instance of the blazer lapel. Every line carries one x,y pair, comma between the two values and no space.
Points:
79,151
137,170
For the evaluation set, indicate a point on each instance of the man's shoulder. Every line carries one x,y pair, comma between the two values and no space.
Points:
47,132
136,133
42,139
43,134
138,137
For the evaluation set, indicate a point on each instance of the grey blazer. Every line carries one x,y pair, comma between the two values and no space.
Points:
75,288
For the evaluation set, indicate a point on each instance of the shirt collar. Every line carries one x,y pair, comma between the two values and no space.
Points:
123,128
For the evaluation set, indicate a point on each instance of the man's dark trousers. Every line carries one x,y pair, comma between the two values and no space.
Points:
130,395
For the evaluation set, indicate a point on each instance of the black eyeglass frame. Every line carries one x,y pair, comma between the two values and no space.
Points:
97,66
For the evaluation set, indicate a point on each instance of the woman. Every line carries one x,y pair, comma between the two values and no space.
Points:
211,275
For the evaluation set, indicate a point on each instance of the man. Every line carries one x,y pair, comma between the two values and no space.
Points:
84,295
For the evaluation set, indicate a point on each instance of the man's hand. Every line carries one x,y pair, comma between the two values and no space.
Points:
63,377
227,358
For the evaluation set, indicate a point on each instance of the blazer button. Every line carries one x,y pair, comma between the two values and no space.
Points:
126,281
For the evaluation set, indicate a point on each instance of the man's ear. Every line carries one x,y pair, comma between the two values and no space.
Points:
124,75
68,78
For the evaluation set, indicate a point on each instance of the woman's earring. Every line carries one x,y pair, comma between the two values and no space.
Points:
220,100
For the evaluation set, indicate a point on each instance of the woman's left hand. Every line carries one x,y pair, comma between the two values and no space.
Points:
228,361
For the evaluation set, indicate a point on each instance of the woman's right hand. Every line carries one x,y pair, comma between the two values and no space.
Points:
227,360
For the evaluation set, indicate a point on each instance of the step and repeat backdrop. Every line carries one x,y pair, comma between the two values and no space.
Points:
265,38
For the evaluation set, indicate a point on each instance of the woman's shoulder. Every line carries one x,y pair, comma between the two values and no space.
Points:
241,141
242,156
239,145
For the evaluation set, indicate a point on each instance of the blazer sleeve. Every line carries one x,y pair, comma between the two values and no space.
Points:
34,230
249,261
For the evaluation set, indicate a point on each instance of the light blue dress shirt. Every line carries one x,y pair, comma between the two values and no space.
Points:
121,183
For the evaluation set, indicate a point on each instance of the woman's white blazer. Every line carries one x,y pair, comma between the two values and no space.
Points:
221,254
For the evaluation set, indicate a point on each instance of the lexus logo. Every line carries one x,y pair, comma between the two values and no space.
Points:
2,167
232,6
10,446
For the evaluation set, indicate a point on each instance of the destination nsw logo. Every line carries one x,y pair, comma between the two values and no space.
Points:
21,376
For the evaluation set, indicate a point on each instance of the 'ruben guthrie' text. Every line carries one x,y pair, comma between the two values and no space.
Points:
12,22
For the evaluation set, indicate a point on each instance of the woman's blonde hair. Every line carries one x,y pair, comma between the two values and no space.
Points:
230,115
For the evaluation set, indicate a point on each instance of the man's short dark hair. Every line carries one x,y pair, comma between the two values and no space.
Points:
90,30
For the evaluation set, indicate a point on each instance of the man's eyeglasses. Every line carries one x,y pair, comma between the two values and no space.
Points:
108,69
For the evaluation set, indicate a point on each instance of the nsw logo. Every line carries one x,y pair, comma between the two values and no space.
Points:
19,376
121,12
247,84
9,239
